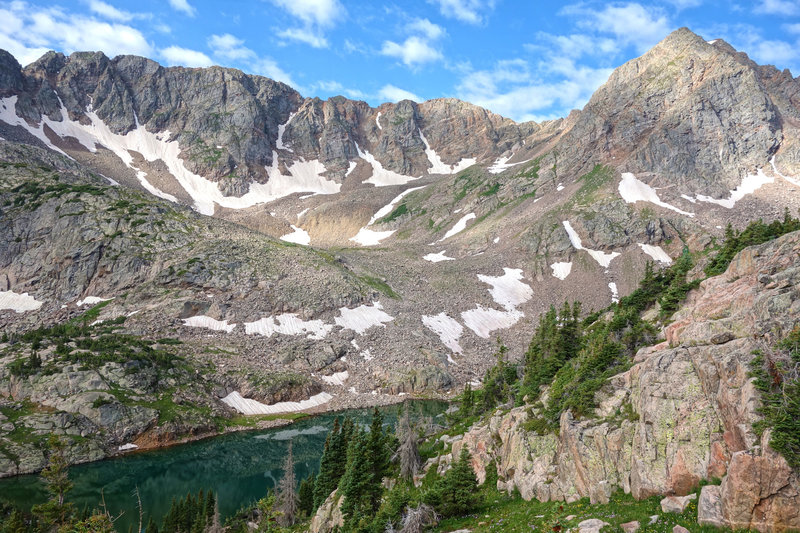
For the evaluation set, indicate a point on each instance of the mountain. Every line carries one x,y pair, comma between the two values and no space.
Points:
365,253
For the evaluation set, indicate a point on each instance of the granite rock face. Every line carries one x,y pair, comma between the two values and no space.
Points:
694,406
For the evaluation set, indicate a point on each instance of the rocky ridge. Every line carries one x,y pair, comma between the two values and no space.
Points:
683,413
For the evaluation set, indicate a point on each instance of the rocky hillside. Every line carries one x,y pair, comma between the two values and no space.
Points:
683,413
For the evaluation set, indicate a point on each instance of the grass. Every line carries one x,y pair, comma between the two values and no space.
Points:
379,285
510,513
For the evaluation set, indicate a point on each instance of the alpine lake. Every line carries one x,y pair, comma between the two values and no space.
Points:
239,467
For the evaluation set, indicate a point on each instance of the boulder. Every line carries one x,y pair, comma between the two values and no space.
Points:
676,504
709,507
592,525
630,527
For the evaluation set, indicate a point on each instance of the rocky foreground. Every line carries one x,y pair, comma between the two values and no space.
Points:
683,413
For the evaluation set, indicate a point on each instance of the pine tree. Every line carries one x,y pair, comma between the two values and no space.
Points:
151,526
286,499
458,490
379,457
305,495
334,460
56,479
357,477
467,401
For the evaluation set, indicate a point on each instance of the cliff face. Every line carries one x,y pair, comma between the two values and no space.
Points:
683,413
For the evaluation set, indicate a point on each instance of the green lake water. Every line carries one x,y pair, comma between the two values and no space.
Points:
239,468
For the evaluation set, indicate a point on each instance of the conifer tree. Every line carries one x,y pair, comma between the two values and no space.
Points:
408,452
357,477
56,479
151,526
305,496
457,492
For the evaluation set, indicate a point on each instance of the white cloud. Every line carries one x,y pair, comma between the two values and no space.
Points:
413,51
792,28
305,35
175,55
183,6
110,12
749,39
417,49
427,28
334,87
630,23
775,52
315,16
229,47
266,66
29,31
778,7
469,11
395,94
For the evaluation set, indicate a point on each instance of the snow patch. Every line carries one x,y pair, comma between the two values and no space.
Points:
127,447
603,259
288,324
351,167
561,270
298,236
368,237
337,378
19,303
388,208
382,177
202,321
614,292
458,227
247,406
367,355
632,190
502,164
301,213
362,317
560,187
749,185
507,290
92,300
437,165
435,258
483,320
447,328
281,130
656,252
378,120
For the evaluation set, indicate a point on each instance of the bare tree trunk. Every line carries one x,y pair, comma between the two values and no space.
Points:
286,495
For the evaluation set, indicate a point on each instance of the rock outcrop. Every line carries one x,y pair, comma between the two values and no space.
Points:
691,413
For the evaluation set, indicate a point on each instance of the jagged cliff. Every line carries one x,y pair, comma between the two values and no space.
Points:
684,412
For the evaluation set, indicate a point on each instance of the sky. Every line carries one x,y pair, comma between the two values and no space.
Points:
524,59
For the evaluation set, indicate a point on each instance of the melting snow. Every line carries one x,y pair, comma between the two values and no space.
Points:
484,320
458,227
656,252
632,190
447,328
288,324
207,322
298,236
378,120
749,185
281,129
507,290
19,303
92,300
502,164
336,379
382,177
560,187
603,258
435,258
561,270
127,447
368,237
362,317
252,407
689,198
793,181
367,355
614,292
301,213
437,165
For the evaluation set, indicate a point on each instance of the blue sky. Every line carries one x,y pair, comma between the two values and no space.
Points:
524,59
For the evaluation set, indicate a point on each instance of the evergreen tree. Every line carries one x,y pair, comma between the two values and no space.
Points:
286,498
357,478
379,457
467,401
56,479
457,492
151,526
334,460
305,496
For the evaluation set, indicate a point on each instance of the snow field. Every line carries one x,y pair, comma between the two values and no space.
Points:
507,290
614,292
458,227
793,181
448,329
368,237
288,324
202,321
336,379
632,190
561,270
281,130
382,177
437,165
19,303
656,252
603,259
247,406
436,258
91,300
482,320
298,236
749,185
362,317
